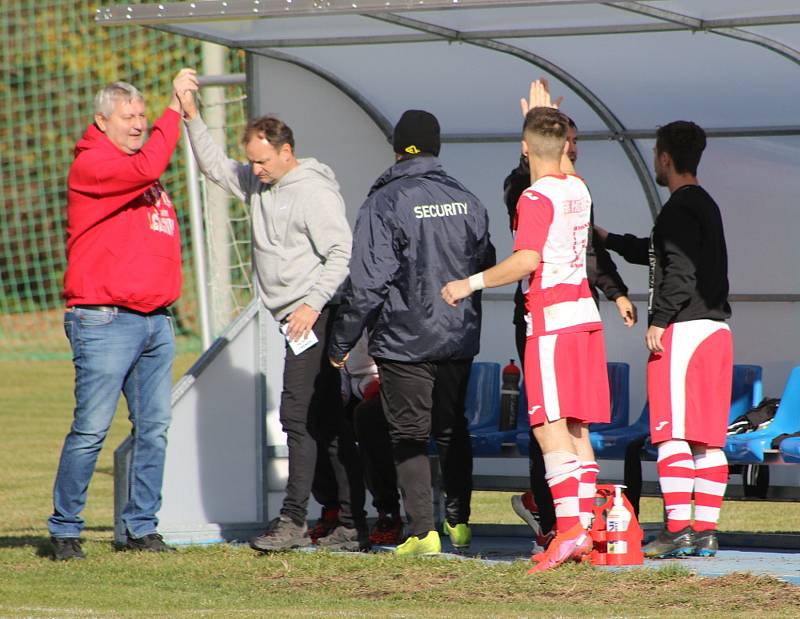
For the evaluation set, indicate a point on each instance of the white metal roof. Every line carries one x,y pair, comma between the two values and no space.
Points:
733,66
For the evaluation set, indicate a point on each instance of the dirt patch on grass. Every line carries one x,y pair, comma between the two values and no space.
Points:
671,590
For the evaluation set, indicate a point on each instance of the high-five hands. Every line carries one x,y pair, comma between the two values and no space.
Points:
184,86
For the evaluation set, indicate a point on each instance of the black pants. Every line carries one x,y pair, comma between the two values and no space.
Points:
539,488
633,472
423,400
312,415
375,446
324,488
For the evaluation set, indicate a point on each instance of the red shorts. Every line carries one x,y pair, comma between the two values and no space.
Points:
689,384
566,378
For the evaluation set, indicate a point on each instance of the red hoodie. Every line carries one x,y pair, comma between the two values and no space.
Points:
123,242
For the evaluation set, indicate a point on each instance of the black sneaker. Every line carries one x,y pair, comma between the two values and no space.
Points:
152,542
705,543
66,548
345,538
668,545
281,534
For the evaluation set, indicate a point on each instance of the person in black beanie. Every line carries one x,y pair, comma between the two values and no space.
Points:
418,229
416,133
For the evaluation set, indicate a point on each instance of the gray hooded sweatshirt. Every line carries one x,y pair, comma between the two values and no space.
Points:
301,238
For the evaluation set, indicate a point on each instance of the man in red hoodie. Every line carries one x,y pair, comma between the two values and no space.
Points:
123,272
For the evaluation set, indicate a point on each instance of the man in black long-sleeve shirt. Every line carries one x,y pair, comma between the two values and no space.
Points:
536,506
690,368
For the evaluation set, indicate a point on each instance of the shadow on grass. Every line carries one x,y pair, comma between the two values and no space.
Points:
40,542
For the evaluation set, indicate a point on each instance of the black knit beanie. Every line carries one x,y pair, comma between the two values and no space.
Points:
416,132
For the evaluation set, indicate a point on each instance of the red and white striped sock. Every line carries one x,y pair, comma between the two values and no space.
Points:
711,478
563,471
676,475
586,490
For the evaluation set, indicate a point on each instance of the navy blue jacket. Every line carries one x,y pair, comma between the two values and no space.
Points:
418,229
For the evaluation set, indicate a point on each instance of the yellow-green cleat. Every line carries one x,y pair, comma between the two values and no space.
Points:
415,546
460,534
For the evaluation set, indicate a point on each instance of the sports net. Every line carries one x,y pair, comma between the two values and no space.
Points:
55,58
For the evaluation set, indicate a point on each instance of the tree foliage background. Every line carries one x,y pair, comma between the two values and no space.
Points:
54,58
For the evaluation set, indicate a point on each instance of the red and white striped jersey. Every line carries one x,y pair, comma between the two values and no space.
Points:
553,220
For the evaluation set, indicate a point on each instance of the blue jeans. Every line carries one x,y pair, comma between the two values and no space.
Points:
116,352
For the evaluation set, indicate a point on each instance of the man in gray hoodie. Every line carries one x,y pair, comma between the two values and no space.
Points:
301,252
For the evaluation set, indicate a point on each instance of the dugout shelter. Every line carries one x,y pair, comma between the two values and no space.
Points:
341,72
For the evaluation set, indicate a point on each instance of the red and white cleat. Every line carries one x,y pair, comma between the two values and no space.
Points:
563,548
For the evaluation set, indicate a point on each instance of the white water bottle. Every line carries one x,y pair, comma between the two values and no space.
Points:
617,523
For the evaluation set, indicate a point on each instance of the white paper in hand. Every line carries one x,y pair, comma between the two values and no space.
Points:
299,346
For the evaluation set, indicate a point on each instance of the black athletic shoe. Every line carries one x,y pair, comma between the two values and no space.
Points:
705,543
152,542
668,545
281,534
66,548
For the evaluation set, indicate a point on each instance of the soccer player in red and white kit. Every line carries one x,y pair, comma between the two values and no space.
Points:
690,370
565,363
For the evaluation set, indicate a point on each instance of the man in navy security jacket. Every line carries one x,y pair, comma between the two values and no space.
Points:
418,229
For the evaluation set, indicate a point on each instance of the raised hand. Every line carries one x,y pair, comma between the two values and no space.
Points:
538,96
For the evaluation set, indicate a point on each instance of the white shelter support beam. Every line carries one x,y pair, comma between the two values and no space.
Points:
217,203
593,101
198,243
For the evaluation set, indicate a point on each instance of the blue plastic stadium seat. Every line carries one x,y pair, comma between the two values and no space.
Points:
619,388
746,392
790,449
611,444
749,447
482,403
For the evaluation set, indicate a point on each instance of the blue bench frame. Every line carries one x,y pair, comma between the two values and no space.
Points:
750,447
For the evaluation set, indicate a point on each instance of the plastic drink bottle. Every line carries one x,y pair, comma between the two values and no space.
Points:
509,397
